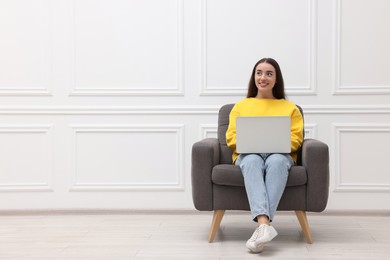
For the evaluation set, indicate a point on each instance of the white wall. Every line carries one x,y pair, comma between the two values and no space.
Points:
101,100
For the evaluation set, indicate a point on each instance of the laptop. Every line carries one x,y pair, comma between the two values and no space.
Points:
263,134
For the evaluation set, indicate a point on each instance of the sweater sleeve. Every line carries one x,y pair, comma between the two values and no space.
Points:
231,131
296,130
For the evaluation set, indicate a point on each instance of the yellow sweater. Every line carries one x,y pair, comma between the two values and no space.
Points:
266,107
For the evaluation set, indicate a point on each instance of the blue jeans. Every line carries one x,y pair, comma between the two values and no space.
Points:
265,178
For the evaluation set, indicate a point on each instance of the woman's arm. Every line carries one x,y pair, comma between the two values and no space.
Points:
296,130
231,131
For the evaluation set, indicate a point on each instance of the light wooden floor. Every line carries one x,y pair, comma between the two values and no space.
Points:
183,235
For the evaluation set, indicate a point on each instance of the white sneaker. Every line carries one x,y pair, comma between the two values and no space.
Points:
251,243
262,235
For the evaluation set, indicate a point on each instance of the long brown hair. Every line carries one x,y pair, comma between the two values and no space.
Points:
278,90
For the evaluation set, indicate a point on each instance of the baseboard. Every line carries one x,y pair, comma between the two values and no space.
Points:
356,213
360,212
100,211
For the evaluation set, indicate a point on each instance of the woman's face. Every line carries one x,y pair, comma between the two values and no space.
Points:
265,79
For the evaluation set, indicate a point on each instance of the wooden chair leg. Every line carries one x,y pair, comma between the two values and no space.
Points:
302,218
217,218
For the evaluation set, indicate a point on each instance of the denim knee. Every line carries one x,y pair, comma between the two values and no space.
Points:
248,159
282,161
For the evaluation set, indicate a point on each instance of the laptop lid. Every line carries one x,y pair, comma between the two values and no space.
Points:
263,134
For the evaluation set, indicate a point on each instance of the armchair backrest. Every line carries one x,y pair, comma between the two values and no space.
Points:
223,124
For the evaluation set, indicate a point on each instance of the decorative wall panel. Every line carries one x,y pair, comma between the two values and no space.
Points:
26,158
128,157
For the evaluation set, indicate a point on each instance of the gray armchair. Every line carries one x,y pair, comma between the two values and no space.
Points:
218,185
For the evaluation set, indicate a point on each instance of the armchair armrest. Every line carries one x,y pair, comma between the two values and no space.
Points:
205,155
315,158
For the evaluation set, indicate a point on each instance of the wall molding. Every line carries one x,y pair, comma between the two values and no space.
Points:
310,89
310,130
45,90
340,89
176,90
177,110
177,129
110,110
354,128
30,186
208,130
346,109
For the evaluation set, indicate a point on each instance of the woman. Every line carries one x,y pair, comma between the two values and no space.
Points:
265,175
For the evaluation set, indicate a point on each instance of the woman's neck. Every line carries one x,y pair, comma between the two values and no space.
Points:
262,96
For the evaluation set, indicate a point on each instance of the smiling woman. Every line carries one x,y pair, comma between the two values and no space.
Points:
267,76
265,80
265,174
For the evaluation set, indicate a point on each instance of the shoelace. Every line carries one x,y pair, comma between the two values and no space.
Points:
258,232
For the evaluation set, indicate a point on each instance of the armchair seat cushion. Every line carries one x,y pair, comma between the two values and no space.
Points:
230,175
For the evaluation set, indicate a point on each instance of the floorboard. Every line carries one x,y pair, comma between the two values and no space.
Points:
172,235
